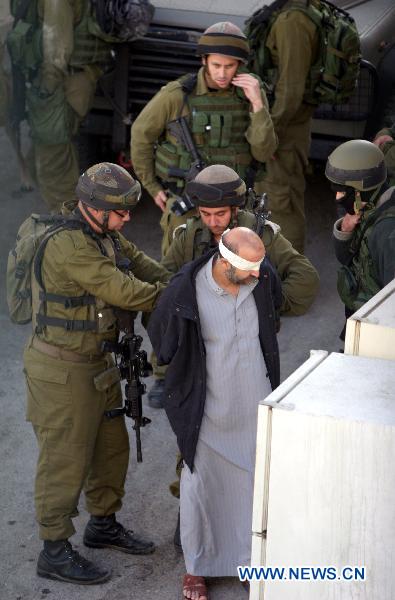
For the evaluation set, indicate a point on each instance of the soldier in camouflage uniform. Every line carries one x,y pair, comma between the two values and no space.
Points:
71,381
364,237
293,43
228,117
62,81
385,140
299,277
62,94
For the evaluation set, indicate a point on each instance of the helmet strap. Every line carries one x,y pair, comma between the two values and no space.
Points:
102,226
106,217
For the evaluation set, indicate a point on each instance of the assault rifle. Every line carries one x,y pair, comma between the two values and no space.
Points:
257,204
179,128
132,364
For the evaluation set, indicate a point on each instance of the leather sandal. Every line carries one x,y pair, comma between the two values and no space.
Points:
194,583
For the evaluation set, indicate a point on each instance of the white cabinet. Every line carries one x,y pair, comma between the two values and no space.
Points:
371,330
324,492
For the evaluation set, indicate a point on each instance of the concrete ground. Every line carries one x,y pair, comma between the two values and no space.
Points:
148,506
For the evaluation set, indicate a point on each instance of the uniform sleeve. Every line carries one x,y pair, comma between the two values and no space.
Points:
146,130
144,267
164,329
299,279
58,40
97,275
175,256
341,242
260,134
293,39
382,248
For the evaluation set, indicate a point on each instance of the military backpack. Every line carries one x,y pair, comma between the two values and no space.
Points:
24,262
333,76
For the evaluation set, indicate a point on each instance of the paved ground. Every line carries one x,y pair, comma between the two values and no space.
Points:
148,506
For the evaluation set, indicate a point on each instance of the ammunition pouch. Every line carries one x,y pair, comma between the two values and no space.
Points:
103,381
50,116
169,157
25,47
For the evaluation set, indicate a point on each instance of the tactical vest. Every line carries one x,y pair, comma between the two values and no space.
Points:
90,45
218,122
358,281
89,322
198,238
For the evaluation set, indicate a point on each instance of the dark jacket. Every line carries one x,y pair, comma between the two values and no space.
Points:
176,337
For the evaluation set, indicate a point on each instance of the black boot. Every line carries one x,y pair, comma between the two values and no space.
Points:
177,536
106,532
59,561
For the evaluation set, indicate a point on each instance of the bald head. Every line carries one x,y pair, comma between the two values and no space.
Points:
244,242
241,253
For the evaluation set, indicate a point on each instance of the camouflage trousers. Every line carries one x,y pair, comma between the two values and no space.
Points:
79,448
284,181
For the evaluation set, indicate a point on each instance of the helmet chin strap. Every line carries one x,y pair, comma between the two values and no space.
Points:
102,226
106,217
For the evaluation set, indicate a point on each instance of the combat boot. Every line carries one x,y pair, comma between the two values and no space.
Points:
106,532
156,395
59,561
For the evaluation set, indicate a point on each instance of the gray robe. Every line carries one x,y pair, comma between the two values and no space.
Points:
216,499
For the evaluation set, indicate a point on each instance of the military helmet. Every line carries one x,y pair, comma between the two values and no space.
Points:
107,186
224,38
358,164
217,186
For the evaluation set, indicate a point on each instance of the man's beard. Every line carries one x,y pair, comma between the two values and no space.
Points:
232,277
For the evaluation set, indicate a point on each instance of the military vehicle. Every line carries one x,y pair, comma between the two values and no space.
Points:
168,51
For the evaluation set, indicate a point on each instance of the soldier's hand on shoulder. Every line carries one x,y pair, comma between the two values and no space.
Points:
160,200
252,89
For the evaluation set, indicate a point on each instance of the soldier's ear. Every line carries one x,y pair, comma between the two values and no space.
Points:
204,61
